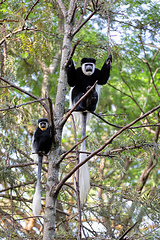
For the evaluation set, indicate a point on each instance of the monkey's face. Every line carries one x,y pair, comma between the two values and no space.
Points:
88,68
43,125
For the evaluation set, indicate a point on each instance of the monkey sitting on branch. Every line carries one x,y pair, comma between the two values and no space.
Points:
81,80
41,145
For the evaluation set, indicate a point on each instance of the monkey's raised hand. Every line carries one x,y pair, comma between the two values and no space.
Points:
109,60
70,63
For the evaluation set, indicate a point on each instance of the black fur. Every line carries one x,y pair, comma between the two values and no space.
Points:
42,140
77,79
41,144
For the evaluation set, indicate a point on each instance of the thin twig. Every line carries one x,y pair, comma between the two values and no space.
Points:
149,67
24,91
70,150
55,190
84,22
83,12
108,30
122,237
17,186
52,120
113,125
20,105
5,86
31,10
127,96
72,53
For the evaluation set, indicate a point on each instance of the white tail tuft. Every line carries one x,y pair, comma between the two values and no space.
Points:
84,180
84,177
37,201
34,156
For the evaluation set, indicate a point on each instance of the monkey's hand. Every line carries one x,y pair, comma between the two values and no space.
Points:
70,63
87,88
109,60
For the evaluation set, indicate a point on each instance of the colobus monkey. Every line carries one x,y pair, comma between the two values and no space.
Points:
41,144
81,79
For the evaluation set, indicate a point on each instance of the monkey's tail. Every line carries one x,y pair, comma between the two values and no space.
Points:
37,196
84,178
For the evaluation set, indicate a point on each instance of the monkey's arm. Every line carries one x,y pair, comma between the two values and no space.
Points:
71,74
35,142
105,71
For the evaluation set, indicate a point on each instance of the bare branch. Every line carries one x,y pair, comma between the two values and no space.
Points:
149,67
55,190
31,10
70,150
16,186
5,86
24,91
72,52
52,120
21,29
111,124
127,96
151,164
8,20
20,105
62,7
82,13
122,237
84,22
10,34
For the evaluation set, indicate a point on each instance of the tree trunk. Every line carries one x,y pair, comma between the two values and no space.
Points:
53,169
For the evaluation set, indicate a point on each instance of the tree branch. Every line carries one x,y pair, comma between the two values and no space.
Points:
83,12
84,22
27,93
55,190
74,107
149,67
62,7
122,237
31,10
72,53
70,150
20,105
52,120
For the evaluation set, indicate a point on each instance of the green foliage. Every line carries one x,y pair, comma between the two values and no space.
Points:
116,174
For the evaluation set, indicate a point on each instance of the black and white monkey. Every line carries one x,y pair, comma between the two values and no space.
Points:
41,145
80,80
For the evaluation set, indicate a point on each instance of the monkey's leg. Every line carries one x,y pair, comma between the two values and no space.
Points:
91,100
82,106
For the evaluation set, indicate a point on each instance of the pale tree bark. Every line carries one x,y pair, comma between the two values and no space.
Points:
53,168
53,66
3,54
